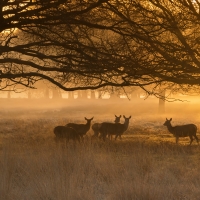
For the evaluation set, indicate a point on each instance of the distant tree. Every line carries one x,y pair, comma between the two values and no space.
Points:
82,94
56,94
92,95
70,95
46,93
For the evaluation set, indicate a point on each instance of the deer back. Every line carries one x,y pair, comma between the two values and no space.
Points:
184,130
82,129
63,131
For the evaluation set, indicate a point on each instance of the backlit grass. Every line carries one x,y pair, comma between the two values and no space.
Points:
145,164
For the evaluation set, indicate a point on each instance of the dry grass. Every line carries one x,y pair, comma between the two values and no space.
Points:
146,164
131,169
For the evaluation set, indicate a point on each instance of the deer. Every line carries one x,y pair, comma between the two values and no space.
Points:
182,131
116,129
63,132
81,129
96,126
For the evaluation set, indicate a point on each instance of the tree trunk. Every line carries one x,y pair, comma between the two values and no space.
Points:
162,101
46,93
8,95
70,95
56,94
82,94
92,95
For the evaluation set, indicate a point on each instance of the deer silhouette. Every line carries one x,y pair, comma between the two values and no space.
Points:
81,129
68,133
182,131
96,126
116,129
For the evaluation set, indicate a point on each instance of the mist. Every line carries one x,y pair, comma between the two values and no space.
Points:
102,107
146,113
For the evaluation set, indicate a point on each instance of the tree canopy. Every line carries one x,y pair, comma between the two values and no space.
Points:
80,45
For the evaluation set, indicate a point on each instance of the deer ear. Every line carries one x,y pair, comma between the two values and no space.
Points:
166,119
130,117
171,119
120,116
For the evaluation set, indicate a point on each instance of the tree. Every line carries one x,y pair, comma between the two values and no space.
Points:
41,40
167,35
100,43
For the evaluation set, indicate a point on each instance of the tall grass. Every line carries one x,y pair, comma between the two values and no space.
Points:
110,170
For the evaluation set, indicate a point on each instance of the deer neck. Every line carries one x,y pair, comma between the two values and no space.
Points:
169,127
88,124
126,123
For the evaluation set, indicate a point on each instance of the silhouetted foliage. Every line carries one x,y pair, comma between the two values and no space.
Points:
79,45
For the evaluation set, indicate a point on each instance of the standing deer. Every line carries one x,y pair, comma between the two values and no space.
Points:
96,126
81,129
63,132
182,131
116,129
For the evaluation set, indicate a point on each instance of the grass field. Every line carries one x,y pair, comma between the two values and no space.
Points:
145,164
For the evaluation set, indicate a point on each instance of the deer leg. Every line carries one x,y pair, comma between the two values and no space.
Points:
97,133
78,139
191,139
196,139
104,136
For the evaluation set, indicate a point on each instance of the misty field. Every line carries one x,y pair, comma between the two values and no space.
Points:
145,164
